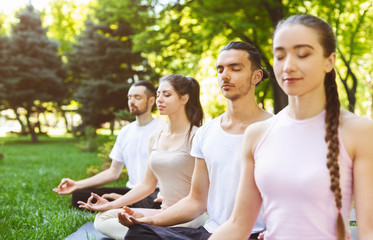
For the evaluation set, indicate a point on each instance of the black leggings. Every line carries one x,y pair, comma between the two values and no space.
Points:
150,232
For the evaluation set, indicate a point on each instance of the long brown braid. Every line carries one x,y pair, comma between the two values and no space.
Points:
328,42
331,137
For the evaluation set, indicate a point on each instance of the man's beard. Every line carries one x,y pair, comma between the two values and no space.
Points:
137,111
242,93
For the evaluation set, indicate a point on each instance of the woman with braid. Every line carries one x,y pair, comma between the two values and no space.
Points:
308,163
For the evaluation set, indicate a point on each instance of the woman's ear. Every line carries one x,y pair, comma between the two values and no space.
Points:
330,62
185,98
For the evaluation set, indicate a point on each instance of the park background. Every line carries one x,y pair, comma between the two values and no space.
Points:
66,67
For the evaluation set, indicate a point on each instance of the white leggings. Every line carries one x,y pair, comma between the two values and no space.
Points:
107,223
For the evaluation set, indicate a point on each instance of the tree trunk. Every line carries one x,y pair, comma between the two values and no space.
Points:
351,91
280,99
112,124
37,125
68,126
351,101
276,12
18,117
47,123
34,136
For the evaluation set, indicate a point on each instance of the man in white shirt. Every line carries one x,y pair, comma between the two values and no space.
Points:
217,149
130,149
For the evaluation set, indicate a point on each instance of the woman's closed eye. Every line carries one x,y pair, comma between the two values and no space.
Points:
279,56
303,55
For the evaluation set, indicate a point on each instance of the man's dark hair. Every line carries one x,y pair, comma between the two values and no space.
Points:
254,55
150,89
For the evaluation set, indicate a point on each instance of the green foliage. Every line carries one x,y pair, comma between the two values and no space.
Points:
89,143
137,13
351,21
125,115
104,149
2,20
38,73
103,145
103,67
4,70
103,154
182,32
67,22
32,73
142,39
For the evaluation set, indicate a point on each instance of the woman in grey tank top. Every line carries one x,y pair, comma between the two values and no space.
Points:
170,164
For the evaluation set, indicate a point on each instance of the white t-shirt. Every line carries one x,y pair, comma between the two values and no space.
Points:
222,154
131,147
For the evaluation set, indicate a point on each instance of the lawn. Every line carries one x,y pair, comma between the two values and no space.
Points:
29,209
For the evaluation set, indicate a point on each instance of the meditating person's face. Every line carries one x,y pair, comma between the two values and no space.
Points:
168,100
138,100
234,73
298,60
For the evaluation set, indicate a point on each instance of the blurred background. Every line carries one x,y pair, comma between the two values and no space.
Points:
66,65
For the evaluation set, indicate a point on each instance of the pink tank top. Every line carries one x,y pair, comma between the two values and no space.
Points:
294,181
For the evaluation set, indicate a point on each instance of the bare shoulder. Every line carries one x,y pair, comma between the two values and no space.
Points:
357,134
255,131
353,125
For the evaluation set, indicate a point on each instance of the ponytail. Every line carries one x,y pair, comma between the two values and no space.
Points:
193,108
332,141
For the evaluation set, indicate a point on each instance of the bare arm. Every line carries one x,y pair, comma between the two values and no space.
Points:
184,210
192,205
363,176
248,200
67,185
142,190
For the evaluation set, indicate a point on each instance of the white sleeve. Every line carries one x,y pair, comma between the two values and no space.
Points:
196,150
115,153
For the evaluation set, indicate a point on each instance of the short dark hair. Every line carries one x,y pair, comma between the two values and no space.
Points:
253,52
150,90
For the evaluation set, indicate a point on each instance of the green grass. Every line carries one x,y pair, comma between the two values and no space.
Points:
29,209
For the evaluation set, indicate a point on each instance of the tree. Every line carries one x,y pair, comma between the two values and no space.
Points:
4,69
37,74
351,21
182,32
103,67
2,20
68,19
